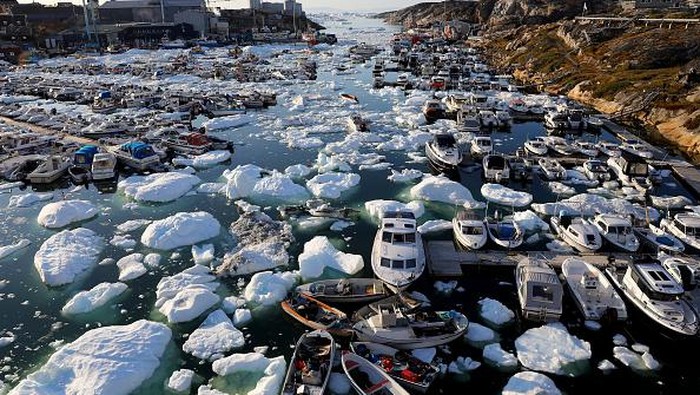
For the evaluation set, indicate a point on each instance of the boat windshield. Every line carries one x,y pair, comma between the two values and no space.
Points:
473,230
620,230
445,140
542,292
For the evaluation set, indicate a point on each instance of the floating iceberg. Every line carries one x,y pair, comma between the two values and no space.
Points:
268,288
530,383
405,175
377,208
112,360
229,122
331,185
65,255
186,295
495,355
497,193
478,335
441,189
158,187
434,225
214,337
28,199
181,381
7,250
550,348
181,229
320,254
273,370
670,202
298,171
203,255
208,159
99,295
495,313
66,212
131,267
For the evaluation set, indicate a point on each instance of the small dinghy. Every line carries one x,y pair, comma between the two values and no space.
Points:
617,231
659,239
577,233
409,371
53,168
552,169
594,295
469,230
367,378
536,146
539,290
349,97
310,368
317,315
504,232
346,290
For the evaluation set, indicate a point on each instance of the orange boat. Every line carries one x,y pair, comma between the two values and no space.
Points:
317,315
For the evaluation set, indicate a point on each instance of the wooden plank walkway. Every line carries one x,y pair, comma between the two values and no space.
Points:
445,261
47,131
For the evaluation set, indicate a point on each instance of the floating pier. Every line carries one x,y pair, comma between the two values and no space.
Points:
444,260
48,132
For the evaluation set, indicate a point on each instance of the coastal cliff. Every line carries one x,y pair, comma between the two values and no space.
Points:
639,72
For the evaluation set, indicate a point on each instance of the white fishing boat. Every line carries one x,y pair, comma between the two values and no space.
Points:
576,120
685,271
539,290
518,107
104,166
432,109
658,239
468,122
311,364
536,146
593,293
631,171
496,168
367,378
488,119
559,145
410,372
596,170
654,291
443,152
398,258
556,120
401,328
50,170
617,231
481,146
505,232
504,119
552,169
346,290
586,148
137,155
685,226
577,233
469,230
610,149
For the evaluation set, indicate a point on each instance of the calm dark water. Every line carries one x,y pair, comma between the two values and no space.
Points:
31,310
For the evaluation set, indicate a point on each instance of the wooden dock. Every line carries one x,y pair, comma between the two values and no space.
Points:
444,260
47,131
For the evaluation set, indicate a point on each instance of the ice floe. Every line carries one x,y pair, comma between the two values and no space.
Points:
214,337
550,348
377,208
445,287
640,360
181,381
406,175
330,185
268,288
442,189
462,366
529,222
10,249
181,229
478,335
99,295
113,360
208,159
670,202
242,317
229,122
5,340
261,245
298,171
203,255
273,370
158,187
496,356
28,199
186,295
66,212
495,313
319,254
132,225
434,225
497,193
65,255
530,383
131,267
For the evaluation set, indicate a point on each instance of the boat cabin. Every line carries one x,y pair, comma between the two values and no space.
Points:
84,156
632,165
541,292
137,150
614,225
445,140
688,223
655,281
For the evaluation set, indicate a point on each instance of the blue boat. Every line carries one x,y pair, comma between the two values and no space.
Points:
137,155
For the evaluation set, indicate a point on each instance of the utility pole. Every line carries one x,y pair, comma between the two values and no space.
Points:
162,11
87,21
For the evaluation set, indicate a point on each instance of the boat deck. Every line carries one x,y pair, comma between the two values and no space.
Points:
444,260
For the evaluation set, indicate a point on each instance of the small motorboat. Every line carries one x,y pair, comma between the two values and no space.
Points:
659,239
488,119
79,174
596,170
685,271
443,152
469,230
496,168
552,169
685,226
104,166
556,120
53,168
637,148
616,230
432,109
593,293
311,364
346,290
586,148
504,232
137,155
349,97
481,146
610,149
654,291
398,258
367,378
317,315
409,371
559,145
539,290
536,146
79,171
577,233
